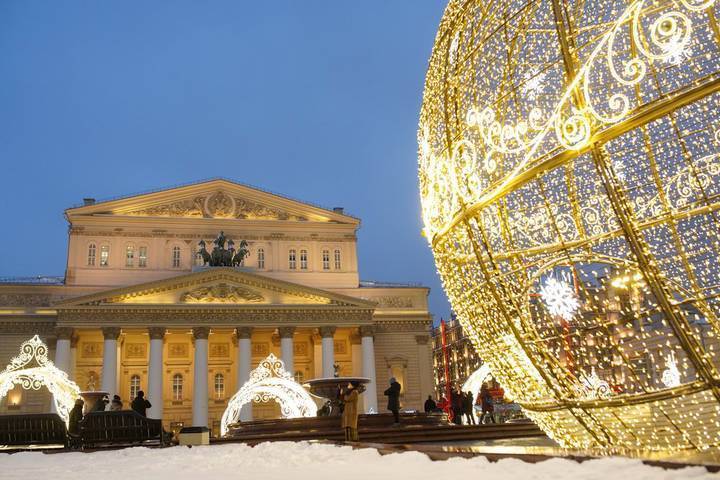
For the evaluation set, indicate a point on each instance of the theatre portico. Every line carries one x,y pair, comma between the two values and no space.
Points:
139,309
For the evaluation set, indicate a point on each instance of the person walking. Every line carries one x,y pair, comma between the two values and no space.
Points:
430,405
76,414
468,408
140,405
393,394
486,402
350,398
116,404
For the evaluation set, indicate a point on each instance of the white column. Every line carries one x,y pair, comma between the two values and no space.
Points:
110,361
368,367
155,373
73,357
244,365
287,350
328,351
63,355
200,378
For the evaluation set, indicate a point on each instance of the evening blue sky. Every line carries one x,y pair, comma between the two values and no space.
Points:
316,100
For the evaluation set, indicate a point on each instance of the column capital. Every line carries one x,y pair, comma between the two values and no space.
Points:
327,331
64,333
243,332
286,332
157,333
74,341
111,333
201,333
367,330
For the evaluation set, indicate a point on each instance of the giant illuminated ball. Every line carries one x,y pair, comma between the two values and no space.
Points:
569,172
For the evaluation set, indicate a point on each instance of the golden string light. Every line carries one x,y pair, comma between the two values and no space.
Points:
569,172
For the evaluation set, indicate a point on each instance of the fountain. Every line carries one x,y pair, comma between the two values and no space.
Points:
329,387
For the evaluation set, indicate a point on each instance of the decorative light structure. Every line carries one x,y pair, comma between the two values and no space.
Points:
557,134
559,298
43,373
270,381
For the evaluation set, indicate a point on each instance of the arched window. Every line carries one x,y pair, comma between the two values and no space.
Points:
104,255
142,257
303,259
260,259
91,255
134,386
219,386
177,387
292,260
129,255
176,257
337,259
326,259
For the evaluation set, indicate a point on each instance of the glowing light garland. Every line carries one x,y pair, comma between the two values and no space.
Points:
604,159
45,373
270,381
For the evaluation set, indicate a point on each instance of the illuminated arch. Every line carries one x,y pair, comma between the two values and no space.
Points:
476,379
63,390
270,381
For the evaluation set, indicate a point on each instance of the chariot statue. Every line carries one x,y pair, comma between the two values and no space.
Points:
221,256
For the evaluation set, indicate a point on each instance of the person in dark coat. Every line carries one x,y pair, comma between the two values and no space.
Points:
76,414
486,402
468,408
393,394
140,405
456,403
100,404
430,405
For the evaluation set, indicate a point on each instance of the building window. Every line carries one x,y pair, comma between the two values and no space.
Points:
219,386
129,256
326,259
142,260
91,255
337,259
291,260
104,255
303,259
134,386
176,257
299,376
261,258
177,387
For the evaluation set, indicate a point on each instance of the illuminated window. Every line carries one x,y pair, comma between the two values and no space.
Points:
177,387
129,256
142,260
337,259
219,386
291,260
176,257
91,255
299,376
261,258
303,259
326,259
104,255
134,386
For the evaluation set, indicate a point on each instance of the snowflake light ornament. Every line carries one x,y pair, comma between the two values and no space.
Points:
671,375
559,297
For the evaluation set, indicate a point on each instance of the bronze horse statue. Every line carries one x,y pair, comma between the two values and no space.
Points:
221,256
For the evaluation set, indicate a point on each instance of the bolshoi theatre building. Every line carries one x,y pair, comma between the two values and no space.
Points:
140,307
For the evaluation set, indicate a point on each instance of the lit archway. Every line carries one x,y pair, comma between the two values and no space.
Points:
270,381
45,373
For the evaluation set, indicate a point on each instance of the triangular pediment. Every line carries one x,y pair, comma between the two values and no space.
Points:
217,198
224,286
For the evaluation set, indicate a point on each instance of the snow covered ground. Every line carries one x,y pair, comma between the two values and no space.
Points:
300,461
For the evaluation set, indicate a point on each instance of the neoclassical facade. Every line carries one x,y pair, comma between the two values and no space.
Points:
137,308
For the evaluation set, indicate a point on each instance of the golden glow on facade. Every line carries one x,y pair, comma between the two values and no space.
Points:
579,143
